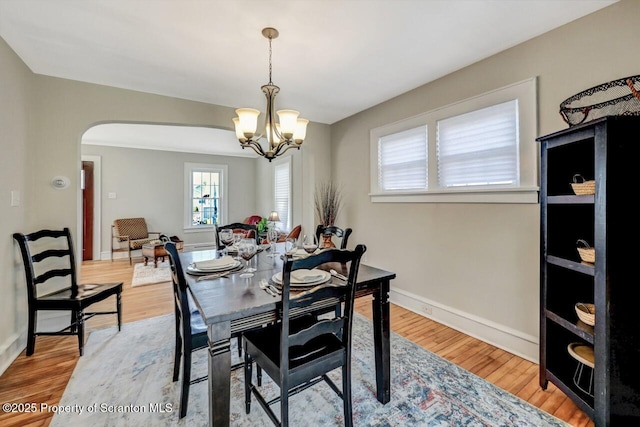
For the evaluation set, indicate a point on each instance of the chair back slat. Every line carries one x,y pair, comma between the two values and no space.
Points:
179,287
340,325
30,260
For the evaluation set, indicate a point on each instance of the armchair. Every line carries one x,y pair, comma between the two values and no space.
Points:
129,234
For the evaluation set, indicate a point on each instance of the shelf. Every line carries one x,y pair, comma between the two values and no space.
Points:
581,267
579,328
571,199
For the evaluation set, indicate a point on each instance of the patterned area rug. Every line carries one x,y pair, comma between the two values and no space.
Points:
124,379
148,274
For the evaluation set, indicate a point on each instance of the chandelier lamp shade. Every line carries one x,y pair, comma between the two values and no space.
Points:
288,133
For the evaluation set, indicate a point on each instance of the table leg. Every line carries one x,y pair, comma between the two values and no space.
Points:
219,374
381,336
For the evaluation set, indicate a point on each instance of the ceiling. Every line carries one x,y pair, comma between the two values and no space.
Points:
333,58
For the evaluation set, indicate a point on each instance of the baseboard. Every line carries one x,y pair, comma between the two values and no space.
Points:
11,349
501,336
199,246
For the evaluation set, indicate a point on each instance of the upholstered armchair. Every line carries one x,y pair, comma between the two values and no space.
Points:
128,234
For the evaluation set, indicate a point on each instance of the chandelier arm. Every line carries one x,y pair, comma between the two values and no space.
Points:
280,151
255,146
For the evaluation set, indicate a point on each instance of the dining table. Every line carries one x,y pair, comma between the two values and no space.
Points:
230,305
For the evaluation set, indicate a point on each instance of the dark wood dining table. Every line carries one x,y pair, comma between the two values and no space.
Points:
232,304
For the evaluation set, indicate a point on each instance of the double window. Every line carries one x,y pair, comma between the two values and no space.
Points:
479,150
205,191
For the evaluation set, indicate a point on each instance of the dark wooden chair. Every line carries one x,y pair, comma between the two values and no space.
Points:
298,354
250,230
53,257
344,234
191,332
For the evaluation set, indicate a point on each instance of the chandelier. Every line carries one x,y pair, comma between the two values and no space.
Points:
288,133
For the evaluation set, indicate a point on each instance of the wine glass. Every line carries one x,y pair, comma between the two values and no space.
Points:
289,246
226,238
247,249
310,244
272,239
237,238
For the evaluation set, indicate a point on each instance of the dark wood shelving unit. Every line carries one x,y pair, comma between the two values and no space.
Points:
607,150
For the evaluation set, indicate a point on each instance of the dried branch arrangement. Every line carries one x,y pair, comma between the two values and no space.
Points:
328,201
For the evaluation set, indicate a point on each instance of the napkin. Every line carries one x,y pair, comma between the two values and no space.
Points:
215,263
306,276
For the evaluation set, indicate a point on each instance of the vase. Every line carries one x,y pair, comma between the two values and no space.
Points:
327,242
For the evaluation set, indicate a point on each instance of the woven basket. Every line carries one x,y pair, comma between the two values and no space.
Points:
583,187
586,313
587,253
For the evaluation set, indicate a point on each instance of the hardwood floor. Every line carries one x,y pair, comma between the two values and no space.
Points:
42,377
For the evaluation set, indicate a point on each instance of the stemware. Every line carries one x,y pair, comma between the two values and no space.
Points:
289,245
226,238
247,250
237,237
310,244
272,239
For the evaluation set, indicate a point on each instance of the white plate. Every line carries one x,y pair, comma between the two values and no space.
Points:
321,277
227,267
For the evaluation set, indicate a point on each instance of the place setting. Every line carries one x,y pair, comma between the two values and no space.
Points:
214,268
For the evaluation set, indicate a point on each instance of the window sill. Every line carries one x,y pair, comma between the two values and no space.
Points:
200,229
507,195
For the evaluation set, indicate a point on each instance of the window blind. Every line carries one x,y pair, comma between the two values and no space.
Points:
402,160
282,193
480,147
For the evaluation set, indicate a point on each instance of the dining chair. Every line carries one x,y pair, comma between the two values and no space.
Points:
250,230
344,234
49,263
293,234
191,332
297,355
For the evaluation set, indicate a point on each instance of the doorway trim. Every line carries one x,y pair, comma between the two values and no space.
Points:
97,197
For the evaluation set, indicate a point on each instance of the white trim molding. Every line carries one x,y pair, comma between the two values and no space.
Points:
501,336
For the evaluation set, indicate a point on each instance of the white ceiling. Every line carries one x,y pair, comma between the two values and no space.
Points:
333,58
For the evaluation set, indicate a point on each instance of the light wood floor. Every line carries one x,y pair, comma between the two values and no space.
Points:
42,377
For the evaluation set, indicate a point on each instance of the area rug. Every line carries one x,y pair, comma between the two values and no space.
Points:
148,274
125,379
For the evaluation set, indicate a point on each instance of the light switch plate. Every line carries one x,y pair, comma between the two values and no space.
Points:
112,195
15,198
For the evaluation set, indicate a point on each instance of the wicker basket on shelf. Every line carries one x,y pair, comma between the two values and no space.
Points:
582,187
587,253
586,313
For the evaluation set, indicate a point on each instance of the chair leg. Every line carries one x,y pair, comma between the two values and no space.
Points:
73,328
31,333
346,395
129,251
259,374
119,310
248,364
284,404
80,322
178,352
186,382
239,345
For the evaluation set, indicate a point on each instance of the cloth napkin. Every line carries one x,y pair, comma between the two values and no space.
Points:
215,263
306,276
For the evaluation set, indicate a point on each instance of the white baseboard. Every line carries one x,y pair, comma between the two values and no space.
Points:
501,336
11,349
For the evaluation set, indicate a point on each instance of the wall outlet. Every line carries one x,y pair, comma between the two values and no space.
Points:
427,309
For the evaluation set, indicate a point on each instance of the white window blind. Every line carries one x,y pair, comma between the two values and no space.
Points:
282,193
480,147
402,160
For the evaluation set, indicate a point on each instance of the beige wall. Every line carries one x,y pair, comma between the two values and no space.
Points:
16,102
477,265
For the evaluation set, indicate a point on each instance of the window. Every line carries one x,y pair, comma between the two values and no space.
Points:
402,160
205,192
480,150
480,147
282,192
